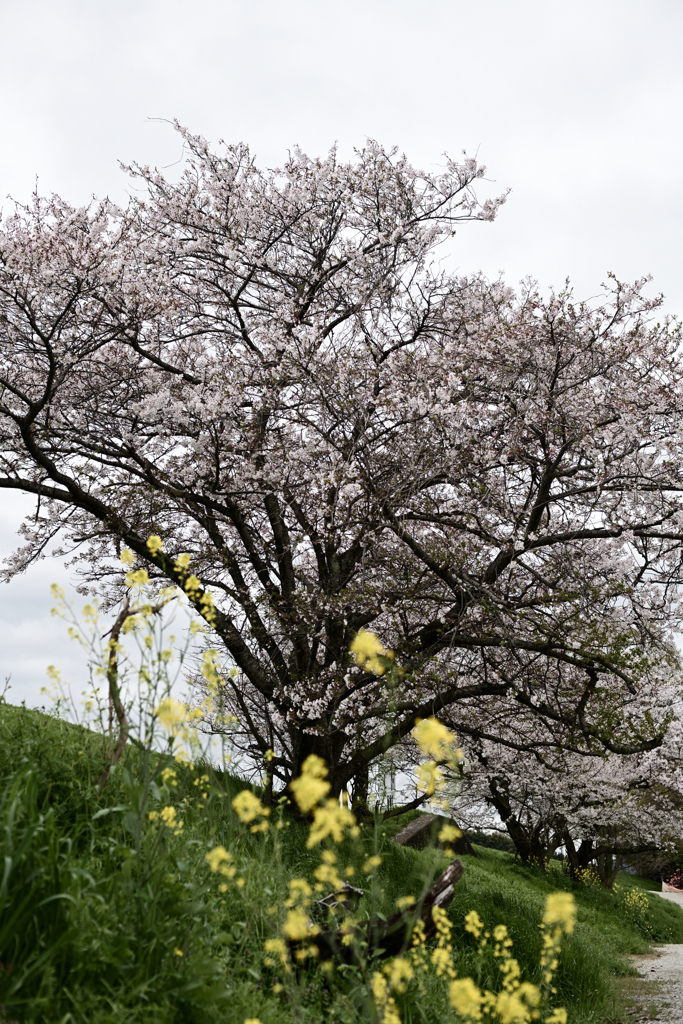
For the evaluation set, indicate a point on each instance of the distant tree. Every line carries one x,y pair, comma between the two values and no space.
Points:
597,809
270,371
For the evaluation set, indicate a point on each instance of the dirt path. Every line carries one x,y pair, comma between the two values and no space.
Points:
663,1002
674,897
663,967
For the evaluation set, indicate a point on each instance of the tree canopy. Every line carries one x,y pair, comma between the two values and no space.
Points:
273,372
591,806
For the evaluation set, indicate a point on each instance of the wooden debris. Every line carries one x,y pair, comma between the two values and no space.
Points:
385,937
346,900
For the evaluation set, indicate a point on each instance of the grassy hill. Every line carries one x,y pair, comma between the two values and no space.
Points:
107,916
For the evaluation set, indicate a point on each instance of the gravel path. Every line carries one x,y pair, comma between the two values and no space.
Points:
663,965
675,897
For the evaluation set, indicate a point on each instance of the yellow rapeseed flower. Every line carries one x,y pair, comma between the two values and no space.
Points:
327,875
331,820
511,1009
429,777
449,834
558,1016
511,972
220,860
278,947
169,818
405,901
248,807
465,998
90,615
154,544
311,786
560,909
171,714
297,926
436,741
367,650
399,971
207,609
210,667
387,1011
371,863
192,587
299,893
441,959
137,578
474,924
530,993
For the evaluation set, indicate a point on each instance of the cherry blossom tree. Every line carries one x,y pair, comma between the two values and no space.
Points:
597,808
275,373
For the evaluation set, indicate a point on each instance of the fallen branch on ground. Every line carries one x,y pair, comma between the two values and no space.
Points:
382,938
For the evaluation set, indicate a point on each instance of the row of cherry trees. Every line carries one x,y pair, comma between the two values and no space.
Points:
272,371
594,809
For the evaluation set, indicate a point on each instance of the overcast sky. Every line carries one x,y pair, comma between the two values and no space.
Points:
575,106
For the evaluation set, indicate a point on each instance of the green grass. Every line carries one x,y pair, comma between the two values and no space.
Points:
106,919
629,881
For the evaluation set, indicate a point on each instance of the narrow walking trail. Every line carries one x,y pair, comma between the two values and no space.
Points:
663,965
